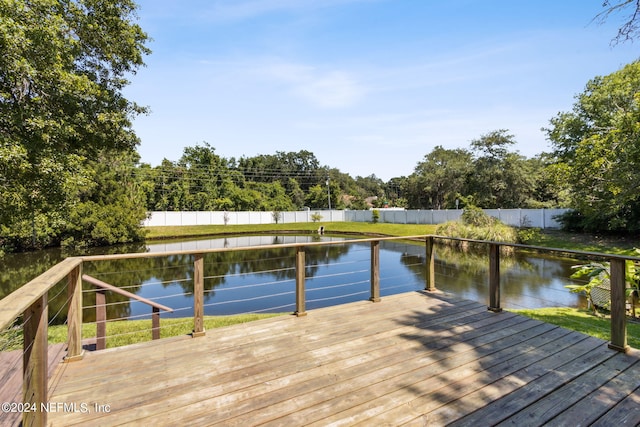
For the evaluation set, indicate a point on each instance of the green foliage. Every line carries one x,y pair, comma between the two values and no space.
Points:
375,216
599,274
528,235
474,216
489,173
500,178
62,72
439,178
476,224
315,217
598,148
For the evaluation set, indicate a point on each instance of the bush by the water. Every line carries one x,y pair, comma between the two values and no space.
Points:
476,224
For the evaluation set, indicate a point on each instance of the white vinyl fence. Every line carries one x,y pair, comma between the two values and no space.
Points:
541,218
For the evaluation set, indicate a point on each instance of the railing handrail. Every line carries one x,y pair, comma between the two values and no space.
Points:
32,299
112,257
108,287
588,254
14,304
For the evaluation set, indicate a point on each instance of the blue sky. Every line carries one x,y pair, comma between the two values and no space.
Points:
368,86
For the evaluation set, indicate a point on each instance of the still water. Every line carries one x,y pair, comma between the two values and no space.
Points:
264,280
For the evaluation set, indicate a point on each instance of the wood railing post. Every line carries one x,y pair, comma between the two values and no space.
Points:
618,306
198,296
74,315
375,271
101,319
35,361
155,323
494,278
430,265
300,277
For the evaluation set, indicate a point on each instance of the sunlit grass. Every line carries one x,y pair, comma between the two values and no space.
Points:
619,245
582,321
182,231
125,332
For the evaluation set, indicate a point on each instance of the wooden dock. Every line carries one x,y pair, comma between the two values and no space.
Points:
412,359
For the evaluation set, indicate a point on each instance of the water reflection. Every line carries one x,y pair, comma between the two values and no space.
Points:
264,280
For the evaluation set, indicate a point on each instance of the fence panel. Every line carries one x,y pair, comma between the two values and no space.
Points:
541,218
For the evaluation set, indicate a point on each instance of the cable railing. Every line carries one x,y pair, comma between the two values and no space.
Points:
300,279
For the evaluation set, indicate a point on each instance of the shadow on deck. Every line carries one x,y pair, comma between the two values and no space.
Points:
412,359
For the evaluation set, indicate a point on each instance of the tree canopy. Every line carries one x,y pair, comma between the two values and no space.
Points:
598,149
70,173
63,65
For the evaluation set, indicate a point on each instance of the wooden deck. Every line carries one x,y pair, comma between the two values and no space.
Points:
411,359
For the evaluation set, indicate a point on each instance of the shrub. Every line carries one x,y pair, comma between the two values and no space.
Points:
375,216
476,224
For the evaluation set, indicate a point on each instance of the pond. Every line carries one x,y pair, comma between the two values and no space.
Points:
264,280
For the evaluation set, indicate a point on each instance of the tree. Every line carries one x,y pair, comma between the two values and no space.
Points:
597,145
63,66
439,178
631,26
500,178
111,208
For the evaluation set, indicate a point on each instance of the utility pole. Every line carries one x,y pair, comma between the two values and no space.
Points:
329,193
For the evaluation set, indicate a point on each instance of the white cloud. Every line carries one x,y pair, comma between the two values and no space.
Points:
321,88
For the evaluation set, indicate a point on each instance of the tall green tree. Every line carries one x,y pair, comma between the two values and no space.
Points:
501,178
597,145
438,180
63,66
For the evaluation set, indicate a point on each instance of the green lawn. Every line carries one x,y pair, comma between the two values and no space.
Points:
124,332
582,321
547,238
302,227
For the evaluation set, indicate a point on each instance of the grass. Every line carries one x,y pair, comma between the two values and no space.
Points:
125,332
582,321
622,245
619,245
170,232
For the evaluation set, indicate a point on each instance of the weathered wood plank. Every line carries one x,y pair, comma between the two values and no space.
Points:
564,351
410,358
338,382
579,359
11,378
330,339
625,413
35,361
317,351
600,401
571,391
463,396
235,337
74,314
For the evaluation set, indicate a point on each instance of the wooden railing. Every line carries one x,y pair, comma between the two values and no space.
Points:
30,301
101,310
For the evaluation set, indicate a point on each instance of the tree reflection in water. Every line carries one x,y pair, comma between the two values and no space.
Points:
264,279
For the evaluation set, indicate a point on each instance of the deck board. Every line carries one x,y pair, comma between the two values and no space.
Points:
412,359
11,377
